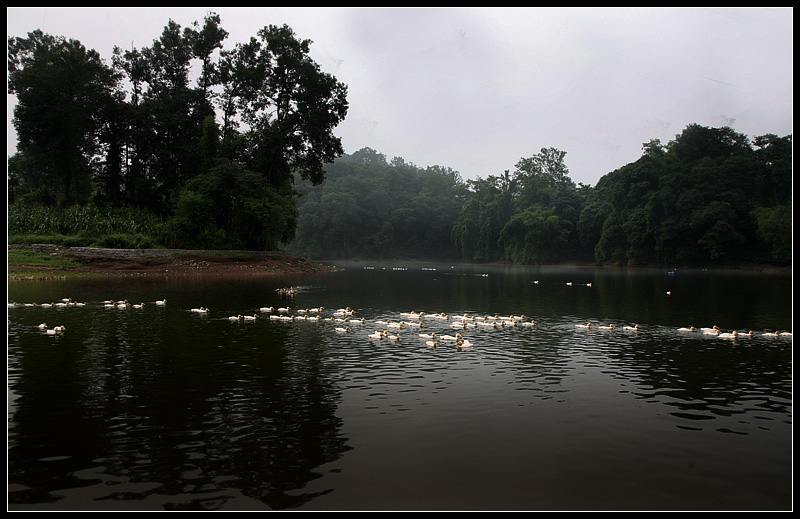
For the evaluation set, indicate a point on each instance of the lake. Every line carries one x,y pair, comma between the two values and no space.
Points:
165,408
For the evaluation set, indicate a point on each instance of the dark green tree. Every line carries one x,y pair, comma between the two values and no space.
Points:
292,110
229,207
64,94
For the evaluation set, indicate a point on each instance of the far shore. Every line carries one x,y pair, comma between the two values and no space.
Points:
90,260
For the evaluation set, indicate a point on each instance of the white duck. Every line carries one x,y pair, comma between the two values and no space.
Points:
56,330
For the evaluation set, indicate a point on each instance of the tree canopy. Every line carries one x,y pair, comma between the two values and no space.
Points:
140,133
709,196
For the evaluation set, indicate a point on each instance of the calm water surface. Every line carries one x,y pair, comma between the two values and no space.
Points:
162,408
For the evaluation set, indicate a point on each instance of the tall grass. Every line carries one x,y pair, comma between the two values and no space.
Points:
85,225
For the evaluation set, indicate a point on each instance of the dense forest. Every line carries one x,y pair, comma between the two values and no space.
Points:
710,196
135,154
214,158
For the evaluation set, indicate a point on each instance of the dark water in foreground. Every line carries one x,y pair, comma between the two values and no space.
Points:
162,408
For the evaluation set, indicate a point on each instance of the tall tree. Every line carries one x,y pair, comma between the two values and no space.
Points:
63,91
293,112
204,41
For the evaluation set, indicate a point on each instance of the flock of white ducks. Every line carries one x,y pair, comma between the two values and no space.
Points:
735,334
408,324
345,319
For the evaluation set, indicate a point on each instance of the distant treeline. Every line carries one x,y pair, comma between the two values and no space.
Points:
711,196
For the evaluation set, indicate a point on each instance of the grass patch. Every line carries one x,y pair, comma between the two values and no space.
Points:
20,262
34,258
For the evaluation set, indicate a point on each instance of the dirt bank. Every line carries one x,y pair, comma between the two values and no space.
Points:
175,261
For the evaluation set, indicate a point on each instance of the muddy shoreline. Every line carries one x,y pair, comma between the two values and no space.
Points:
173,261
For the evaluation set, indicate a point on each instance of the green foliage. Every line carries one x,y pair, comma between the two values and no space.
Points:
707,197
229,207
82,226
36,258
84,138
76,220
534,235
368,208
63,91
775,231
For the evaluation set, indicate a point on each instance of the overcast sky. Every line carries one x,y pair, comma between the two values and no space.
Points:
478,89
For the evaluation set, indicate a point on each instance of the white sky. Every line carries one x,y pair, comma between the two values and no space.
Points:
477,89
